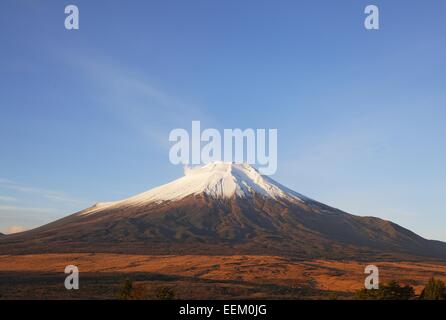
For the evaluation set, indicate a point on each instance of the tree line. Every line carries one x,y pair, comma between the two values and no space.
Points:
435,289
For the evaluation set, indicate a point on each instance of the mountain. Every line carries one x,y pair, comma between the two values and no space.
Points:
224,209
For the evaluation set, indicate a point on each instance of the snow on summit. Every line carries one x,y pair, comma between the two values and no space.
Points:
217,180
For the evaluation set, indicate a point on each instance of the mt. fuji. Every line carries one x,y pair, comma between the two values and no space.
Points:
224,209
218,180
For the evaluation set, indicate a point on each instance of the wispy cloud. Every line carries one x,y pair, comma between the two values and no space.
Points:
15,229
54,196
332,152
7,199
144,105
25,209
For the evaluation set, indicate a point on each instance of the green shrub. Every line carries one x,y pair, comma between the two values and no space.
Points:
130,292
390,291
165,293
434,290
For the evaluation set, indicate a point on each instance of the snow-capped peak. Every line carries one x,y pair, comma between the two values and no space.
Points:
217,180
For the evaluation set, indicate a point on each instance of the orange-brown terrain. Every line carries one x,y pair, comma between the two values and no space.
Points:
42,276
221,231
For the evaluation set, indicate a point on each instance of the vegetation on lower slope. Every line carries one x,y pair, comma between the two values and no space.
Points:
434,290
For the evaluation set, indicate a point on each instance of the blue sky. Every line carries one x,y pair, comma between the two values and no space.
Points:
85,115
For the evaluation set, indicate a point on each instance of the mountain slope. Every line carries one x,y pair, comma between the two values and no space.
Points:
217,180
224,208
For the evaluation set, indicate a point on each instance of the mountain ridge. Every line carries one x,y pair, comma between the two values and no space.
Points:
217,179
224,209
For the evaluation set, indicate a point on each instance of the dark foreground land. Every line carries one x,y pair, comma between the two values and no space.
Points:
103,276
16,285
